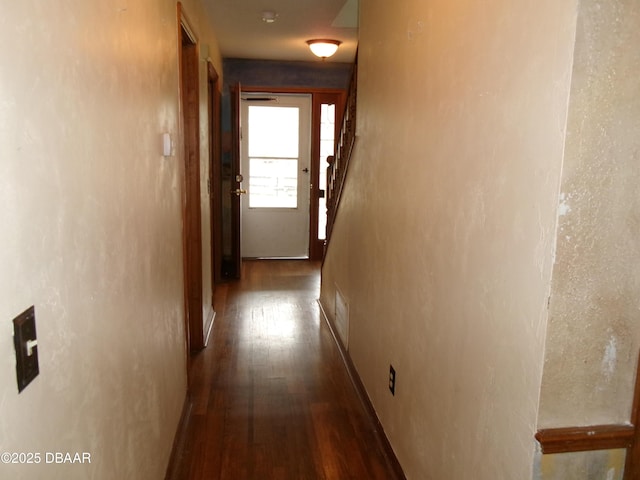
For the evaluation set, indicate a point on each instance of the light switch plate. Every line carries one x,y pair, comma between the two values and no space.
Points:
25,343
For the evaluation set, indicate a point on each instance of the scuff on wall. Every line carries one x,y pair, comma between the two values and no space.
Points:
342,318
609,358
564,208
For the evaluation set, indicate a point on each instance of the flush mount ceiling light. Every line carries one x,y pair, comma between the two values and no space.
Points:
322,47
269,17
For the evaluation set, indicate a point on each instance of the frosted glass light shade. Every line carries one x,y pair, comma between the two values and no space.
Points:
323,48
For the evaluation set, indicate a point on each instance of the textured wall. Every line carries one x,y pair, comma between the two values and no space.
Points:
444,240
91,233
593,338
593,329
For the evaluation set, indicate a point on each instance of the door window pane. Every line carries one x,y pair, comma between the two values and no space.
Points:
273,148
273,131
273,183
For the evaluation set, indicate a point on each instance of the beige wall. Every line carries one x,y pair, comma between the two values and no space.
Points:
444,242
593,335
91,233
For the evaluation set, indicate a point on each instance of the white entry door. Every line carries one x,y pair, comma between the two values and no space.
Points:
276,153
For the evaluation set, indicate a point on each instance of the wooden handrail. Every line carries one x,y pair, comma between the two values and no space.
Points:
339,163
584,439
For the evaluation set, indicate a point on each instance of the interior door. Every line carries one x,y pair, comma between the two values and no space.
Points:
276,154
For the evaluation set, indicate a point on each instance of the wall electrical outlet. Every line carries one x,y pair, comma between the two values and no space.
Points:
392,380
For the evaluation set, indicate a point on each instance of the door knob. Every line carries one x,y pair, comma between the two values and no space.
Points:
239,191
305,170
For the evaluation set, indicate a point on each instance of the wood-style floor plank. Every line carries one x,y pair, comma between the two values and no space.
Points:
272,399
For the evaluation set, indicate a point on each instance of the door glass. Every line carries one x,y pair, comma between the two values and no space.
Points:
273,156
327,145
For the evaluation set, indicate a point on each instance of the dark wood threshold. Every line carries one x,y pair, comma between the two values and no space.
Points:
600,437
179,440
390,456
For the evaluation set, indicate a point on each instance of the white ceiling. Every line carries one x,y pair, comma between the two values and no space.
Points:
242,33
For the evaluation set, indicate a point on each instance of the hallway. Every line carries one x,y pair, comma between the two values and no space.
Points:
272,398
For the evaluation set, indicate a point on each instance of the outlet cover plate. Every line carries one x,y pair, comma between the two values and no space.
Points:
24,331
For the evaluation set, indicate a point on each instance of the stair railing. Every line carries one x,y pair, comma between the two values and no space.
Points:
339,163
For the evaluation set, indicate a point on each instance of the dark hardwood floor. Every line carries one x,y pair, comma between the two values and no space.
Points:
271,397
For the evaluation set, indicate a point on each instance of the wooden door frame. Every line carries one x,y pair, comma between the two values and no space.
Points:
275,232
190,168
318,96
215,173
236,180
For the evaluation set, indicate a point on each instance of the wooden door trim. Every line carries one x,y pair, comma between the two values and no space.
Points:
190,170
236,122
215,170
185,23
214,182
